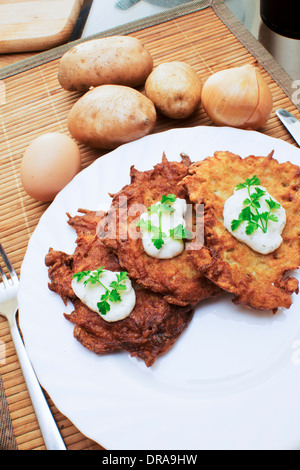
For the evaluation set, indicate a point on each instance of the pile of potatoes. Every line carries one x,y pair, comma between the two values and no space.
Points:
112,111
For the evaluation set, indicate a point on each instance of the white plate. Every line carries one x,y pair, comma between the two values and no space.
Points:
232,380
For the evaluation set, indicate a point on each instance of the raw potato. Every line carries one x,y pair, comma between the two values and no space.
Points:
111,115
175,89
118,60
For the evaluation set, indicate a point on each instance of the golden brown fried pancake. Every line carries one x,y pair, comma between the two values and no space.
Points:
152,327
257,281
177,279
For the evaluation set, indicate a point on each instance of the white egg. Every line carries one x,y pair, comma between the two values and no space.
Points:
49,163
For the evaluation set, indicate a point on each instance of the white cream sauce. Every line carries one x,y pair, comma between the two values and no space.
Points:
90,295
172,247
259,241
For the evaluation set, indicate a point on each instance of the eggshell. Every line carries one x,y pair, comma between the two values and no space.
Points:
49,163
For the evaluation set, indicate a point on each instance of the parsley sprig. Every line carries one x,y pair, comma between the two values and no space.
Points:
110,295
250,213
162,207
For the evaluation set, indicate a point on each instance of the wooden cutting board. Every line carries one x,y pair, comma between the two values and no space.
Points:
36,25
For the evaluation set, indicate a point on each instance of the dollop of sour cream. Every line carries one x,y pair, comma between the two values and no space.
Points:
90,295
172,246
259,241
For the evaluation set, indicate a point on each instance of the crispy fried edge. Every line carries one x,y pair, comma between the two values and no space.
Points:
220,271
138,263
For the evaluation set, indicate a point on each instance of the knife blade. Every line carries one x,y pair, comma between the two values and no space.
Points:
290,122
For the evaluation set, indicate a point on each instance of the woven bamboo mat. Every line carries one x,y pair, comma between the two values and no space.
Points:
209,39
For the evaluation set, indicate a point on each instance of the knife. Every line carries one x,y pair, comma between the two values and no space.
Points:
291,123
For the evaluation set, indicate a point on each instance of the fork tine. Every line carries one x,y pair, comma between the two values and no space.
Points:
8,264
3,275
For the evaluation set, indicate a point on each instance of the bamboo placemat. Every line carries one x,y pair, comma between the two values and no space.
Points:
202,33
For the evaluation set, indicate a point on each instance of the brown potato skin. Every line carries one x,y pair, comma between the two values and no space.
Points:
175,89
119,60
111,115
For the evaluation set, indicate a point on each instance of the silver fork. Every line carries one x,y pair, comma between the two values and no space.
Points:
8,309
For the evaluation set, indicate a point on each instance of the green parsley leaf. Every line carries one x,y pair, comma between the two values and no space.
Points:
235,224
94,276
264,216
103,307
110,295
114,296
250,212
105,296
144,224
245,214
246,201
159,237
170,198
272,204
158,242
117,285
249,182
79,276
259,192
123,276
154,209
256,217
251,227
179,233
166,208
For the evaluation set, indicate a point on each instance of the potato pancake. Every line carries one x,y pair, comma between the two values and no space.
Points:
258,281
153,325
177,278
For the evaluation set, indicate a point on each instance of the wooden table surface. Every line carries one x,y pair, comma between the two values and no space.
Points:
199,37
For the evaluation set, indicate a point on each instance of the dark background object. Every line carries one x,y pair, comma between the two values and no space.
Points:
281,16
80,23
